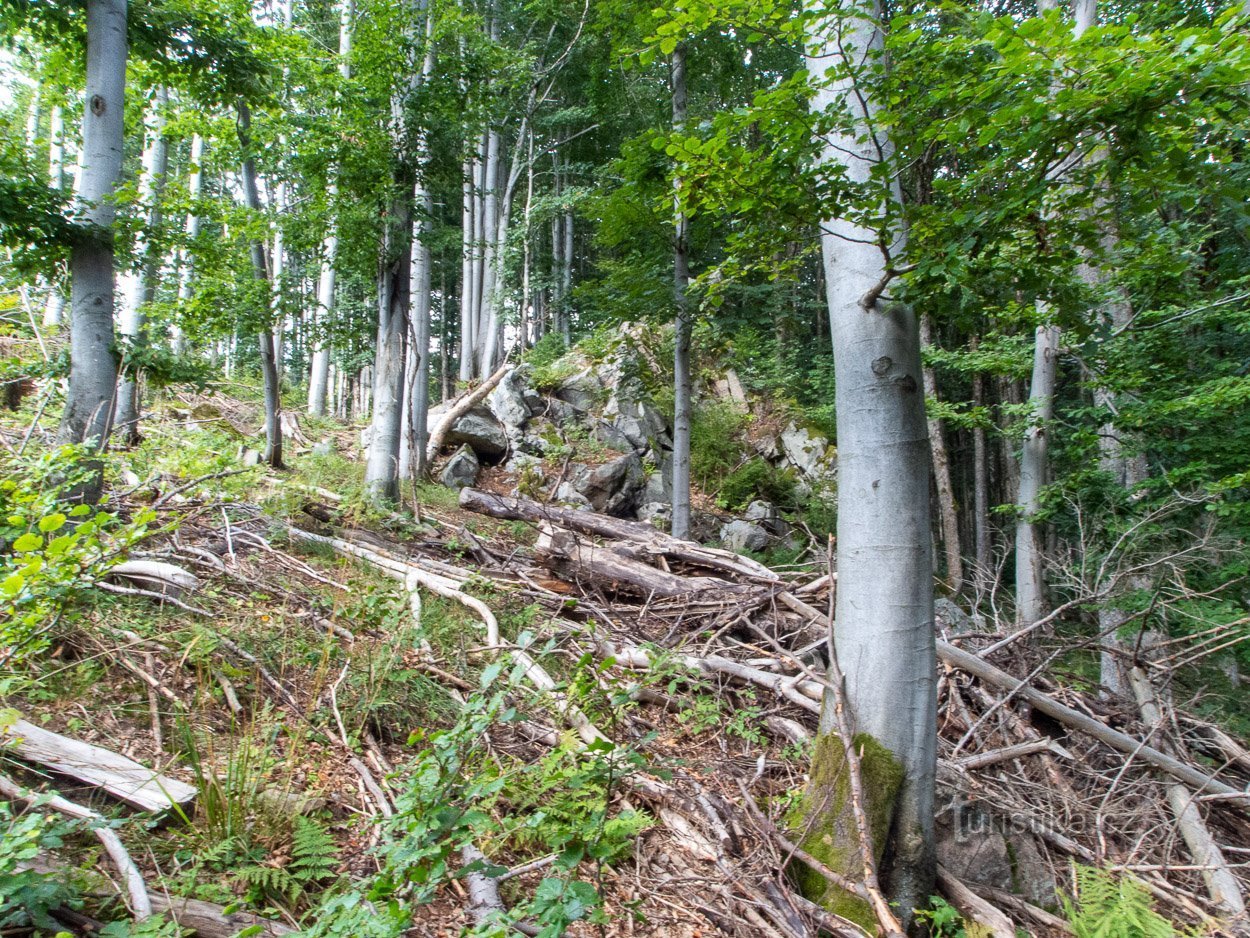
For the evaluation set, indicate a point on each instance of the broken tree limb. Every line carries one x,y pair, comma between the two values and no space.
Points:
972,906
572,557
156,575
1222,885
136,889
651,541
1122,742
121,777
438,436
981,759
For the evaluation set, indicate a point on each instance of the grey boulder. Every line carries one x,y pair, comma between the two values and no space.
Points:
462,469
480,430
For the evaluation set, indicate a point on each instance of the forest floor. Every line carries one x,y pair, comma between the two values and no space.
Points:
335,688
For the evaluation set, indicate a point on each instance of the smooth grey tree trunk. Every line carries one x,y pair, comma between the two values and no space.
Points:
1030,553
683,387
93,367
884,634
981,487
142,282
948,511
319,375
394,283
54,309
421,284
261,271
186,257
468,311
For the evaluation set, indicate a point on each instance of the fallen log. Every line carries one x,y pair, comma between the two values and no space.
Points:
1122,742
121,777
571,557
1222,885
643,538
156,575
438,436
972,906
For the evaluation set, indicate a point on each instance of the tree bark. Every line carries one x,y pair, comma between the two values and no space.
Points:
981,486
319,377
143,282
260,270
88,411
948,512
54,309
186,257
884,636
683,388
1030,554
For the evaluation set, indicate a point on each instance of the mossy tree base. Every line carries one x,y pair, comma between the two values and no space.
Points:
825,820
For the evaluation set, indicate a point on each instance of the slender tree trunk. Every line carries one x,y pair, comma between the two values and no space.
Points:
54,309
948,512
186,257
981,486
421,285
1030,556
683,388
319,377
93,368
143,282
260,270
468,290
394,283
884,637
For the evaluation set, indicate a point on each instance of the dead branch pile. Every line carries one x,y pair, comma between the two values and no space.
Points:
1029,769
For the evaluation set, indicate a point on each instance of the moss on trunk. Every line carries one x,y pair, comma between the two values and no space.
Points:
825,820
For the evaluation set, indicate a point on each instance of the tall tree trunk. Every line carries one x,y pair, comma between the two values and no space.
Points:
884,636
93,368
468,289
683,387
947,509
1030,555
981,485
421,281
394,284
319,376
54,309
186,257
143,282
260,270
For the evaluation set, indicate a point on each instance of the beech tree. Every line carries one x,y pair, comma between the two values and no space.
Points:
89,402
883,623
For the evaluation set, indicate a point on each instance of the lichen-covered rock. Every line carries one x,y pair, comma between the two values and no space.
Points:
568,495
462,469
612,488
610,436
809,453
508,401
657,514
740,535
581,390
480,430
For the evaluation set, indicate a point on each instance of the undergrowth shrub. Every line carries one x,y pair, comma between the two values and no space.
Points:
1110,906
716,443
757,479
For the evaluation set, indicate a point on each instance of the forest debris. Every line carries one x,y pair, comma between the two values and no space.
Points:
647,540
209,920
973,665
136,889
1222,886
1007,753
438,435
121,777
156,576
972,906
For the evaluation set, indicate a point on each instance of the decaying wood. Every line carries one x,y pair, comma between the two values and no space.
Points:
1221,884
157,576
438,435
209,920
1122,742
136,889
1007,753
647,540
971,906
121,777
573,558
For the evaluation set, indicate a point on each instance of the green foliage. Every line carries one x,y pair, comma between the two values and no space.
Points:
27,897
1111,906
54,547
716,443
944,921
757,478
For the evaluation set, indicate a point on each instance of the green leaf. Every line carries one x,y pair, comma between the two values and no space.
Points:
28,542
52,522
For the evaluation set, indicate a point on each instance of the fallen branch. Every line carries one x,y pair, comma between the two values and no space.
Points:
438,436
136,889
121,777
1122,742
972,906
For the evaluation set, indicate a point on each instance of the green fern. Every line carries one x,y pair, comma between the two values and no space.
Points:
1108,906
314,855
